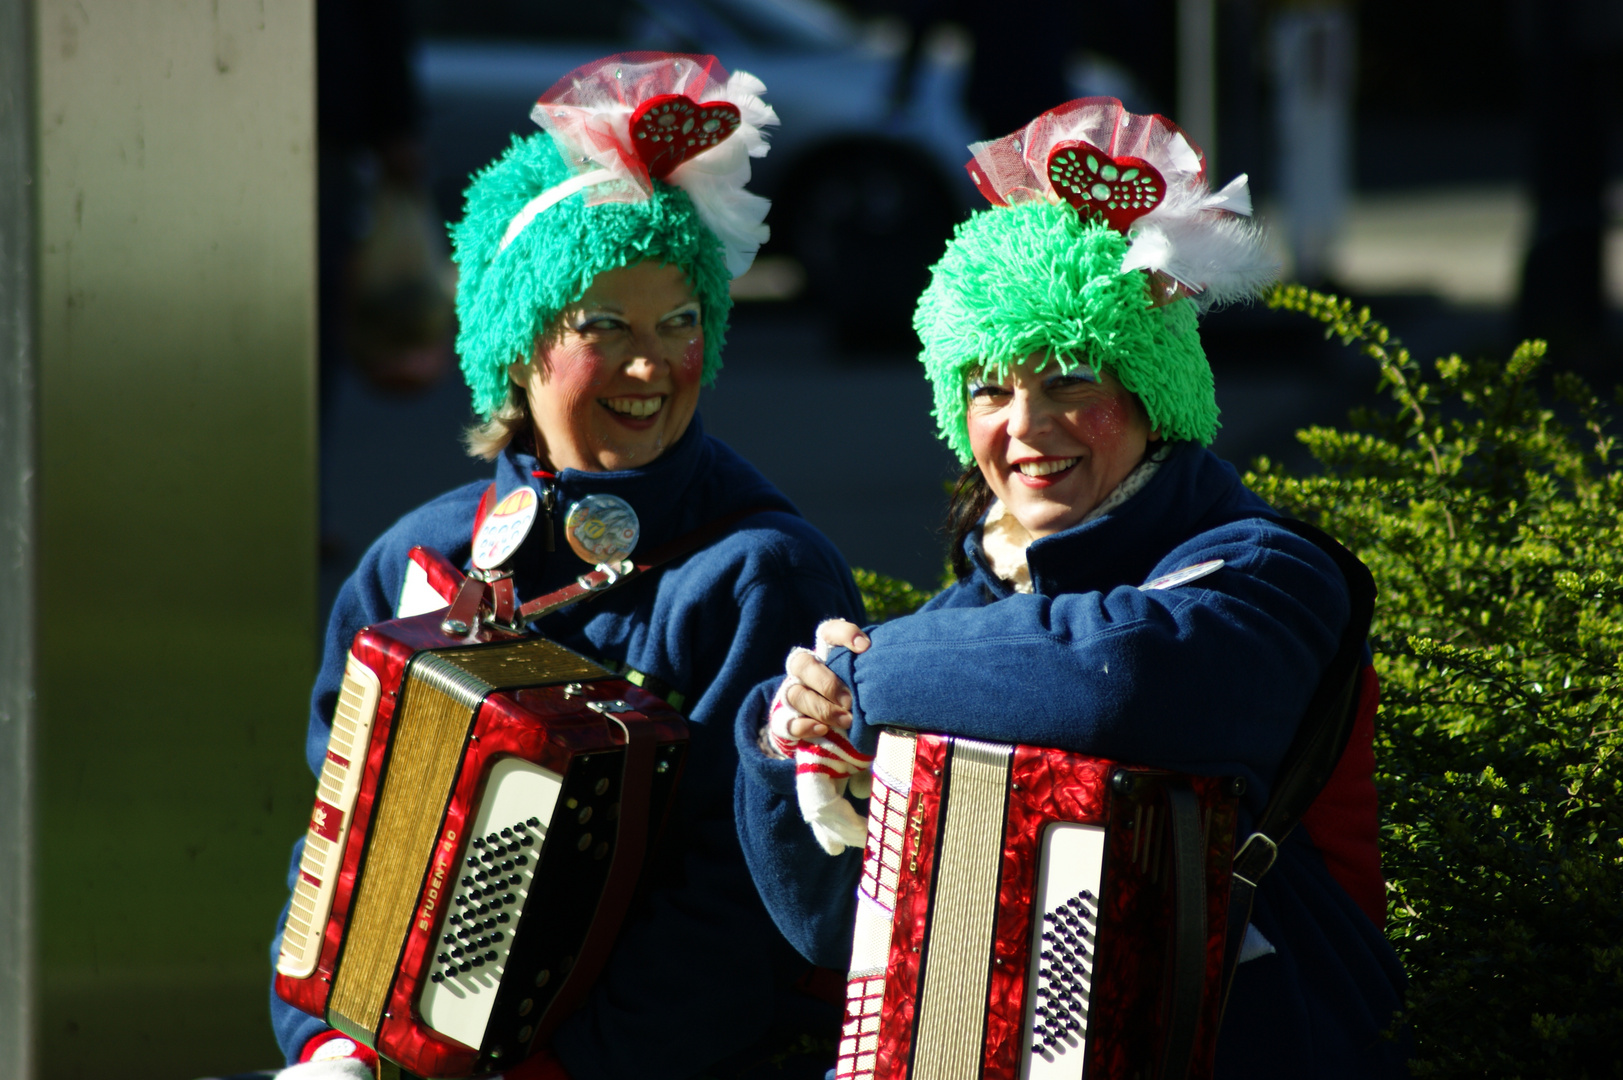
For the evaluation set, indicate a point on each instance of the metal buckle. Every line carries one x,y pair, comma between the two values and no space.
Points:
612,572
1242,854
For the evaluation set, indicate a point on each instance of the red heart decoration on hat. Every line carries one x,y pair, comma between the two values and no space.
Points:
1120,190
668,129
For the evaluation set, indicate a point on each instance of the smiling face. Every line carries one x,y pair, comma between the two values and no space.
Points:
615,382
1050,445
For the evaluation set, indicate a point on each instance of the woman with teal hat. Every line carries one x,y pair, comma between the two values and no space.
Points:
594,262
1119,592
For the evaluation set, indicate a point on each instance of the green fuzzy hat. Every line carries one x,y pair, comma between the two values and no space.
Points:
1020,279
507,299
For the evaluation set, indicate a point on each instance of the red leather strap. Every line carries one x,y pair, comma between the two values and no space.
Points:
1343,822
463,618
443,576
503,599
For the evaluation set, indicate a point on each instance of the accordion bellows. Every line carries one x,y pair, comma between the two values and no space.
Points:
480,823
1032,914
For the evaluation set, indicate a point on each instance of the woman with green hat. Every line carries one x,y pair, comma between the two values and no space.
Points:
1119,593
594,264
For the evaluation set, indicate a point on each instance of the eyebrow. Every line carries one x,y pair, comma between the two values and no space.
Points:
679,308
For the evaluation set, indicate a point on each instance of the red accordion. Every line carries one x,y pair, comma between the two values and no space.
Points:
1032,914
479,828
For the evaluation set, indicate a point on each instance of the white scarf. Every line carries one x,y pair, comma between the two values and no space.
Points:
1005,540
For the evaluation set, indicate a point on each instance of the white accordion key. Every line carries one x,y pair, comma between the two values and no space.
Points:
336,789
876,904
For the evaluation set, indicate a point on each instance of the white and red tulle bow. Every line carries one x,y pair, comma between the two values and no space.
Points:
1143,177
683,119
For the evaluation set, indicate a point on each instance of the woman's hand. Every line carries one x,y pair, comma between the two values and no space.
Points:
821,699
807,718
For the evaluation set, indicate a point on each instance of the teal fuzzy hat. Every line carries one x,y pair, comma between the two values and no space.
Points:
1038,277
507,298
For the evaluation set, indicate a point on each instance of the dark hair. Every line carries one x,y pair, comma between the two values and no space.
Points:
971,495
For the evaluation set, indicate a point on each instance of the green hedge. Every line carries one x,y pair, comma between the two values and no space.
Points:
1493,523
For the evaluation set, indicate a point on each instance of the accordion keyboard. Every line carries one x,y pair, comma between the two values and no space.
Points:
888,824
323,855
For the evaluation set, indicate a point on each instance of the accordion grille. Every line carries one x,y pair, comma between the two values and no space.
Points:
531,662
423,765
952,1002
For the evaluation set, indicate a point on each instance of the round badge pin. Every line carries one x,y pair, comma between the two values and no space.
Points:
602,529
504,530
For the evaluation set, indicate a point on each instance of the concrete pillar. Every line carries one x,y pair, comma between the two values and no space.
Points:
1314,51
1197,78
17,489
174,304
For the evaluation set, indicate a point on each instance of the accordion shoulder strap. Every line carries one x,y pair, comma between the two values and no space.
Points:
600,581
1319,743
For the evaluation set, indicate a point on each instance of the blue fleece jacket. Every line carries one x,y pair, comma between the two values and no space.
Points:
699,971
1210,677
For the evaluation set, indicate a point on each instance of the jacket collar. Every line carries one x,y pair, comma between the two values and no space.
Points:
659,492
694,482
1192,491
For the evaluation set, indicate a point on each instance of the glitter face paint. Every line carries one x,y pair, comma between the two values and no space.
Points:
1053,446
616,380
693,360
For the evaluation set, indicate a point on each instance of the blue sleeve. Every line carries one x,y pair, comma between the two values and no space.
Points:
1211,677
705,941
810,893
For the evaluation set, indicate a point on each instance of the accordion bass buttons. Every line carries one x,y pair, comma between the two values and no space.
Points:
461,990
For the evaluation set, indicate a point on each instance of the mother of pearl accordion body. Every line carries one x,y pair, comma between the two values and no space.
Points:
1017,916
480,823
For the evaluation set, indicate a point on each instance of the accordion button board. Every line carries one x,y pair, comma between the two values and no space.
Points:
471,957
480,824
1018,912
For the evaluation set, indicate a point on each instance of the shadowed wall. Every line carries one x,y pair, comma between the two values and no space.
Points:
176,239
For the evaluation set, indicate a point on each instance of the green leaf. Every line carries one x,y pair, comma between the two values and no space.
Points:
1494,528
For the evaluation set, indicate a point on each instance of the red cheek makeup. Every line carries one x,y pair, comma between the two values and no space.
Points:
693,360
1105,420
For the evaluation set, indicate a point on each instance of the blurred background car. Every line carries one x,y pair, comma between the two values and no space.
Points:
866,173
1391,147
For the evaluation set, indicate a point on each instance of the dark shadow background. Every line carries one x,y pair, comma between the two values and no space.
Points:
877,99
